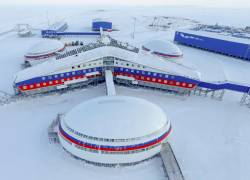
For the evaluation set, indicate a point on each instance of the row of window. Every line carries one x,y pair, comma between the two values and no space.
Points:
86,65
50,77
117,152
144,72
129,64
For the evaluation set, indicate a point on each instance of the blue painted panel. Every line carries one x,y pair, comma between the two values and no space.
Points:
236,49
105,25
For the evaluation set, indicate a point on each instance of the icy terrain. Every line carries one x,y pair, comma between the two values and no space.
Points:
210,138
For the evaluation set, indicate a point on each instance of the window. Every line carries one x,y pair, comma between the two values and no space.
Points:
166,76
149,73
154,74
184,84
31,86
177,83
49,77
78,66
127,64
73,67
44,84
62,75
73,73
67,73
56,76
38,85
43,78
50,82
24,87
190,85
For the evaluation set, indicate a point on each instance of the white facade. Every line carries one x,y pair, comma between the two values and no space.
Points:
114,130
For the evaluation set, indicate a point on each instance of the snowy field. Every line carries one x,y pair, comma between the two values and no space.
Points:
210,138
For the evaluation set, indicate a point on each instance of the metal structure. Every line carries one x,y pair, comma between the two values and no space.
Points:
170,163
229,46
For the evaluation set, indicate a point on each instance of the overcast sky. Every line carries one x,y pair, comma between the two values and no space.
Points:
214,3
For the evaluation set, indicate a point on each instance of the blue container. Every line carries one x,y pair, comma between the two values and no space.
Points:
96,25
225,47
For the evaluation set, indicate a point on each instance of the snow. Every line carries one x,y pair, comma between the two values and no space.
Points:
210,138
133,117
45,46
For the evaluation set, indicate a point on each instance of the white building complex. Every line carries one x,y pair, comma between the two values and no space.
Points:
114,130
83,66
42,51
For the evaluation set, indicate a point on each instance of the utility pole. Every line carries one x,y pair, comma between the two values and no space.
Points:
47,15
134,27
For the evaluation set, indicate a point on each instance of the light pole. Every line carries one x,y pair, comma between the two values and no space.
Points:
134,27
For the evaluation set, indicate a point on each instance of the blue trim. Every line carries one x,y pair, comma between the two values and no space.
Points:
113,147
53,77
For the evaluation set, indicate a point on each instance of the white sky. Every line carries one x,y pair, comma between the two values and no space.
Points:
213,3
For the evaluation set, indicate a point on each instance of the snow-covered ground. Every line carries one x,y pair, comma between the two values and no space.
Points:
210,138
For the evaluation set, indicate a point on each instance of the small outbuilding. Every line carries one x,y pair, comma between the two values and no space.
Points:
106,25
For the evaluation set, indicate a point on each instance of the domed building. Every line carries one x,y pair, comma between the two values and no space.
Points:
114,130
42,51
165,49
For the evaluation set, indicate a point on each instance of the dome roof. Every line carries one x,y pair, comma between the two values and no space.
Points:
164,47
45,46
116,117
